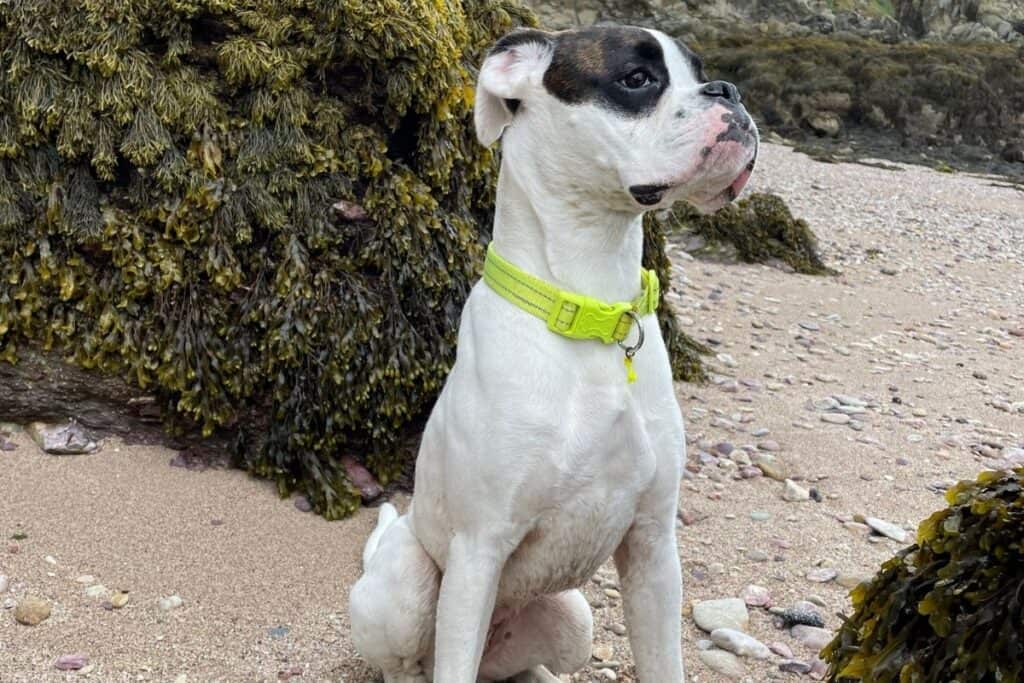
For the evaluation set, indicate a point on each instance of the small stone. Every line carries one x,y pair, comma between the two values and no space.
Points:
794,666
63,439
732,613
171,602
119,600
836,418
603,653
809,325
770,446
851,580
740,643
613,594
896,533
10,603
759,516
724,447
822,575
86,579
71,662
369,488
618,629
50,559
755,555
795,493
781,649
97,591
811,636
756,596
607,674
725,663
4,583
302,504
32,611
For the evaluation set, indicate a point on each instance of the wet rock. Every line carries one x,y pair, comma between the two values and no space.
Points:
711,615
31,611
794,616
62,439
302,504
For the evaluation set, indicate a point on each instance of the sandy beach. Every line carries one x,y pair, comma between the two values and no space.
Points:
872,390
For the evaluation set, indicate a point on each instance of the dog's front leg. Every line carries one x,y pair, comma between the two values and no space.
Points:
468,592
648,565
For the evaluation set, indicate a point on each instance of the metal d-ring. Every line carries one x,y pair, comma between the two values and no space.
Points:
631,350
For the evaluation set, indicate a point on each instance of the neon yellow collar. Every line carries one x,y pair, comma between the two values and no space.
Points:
574,315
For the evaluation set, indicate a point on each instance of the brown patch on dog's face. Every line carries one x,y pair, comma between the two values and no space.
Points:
620,68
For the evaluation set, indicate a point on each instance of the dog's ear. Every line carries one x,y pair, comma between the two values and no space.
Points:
514,65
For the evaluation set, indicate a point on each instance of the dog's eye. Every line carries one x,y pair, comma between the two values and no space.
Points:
636,80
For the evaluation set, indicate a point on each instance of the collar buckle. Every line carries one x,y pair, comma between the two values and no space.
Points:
581,317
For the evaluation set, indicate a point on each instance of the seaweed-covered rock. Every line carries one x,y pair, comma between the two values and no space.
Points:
167,172
939,93
951,606
264,215
760,228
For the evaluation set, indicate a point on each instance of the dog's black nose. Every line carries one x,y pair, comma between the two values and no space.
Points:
727,91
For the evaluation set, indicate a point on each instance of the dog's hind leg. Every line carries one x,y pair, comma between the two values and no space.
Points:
393,605
554,633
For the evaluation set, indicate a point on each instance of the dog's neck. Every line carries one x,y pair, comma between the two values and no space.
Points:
576,246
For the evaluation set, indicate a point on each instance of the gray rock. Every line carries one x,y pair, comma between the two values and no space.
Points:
740,643
893,531
794,666
822,575
811,636
711,615
71,662
725,663
63,439
836,418
169,603
4,583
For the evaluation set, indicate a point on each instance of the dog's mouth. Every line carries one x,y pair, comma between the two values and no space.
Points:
651,195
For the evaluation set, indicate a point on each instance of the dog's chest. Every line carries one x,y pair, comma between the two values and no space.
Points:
594,504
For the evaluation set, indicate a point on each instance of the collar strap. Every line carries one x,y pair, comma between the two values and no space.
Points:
566,313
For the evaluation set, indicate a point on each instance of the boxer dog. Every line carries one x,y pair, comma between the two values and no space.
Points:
539,460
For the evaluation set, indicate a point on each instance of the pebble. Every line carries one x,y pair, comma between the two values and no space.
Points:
811,636
893,531
794,666
171,602
97,591
781,649
756,596
740,643
603,653
4,583
63,439
607,674
119,600
302,504
86,578
798,615
822,575
851,580
795,493
725,663
759,516
71,662
32,611
836,418
732,613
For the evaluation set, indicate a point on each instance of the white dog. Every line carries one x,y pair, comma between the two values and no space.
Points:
541,458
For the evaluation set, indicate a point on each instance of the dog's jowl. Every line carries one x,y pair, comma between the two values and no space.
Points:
557,442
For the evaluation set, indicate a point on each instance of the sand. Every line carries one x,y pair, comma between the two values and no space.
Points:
264,585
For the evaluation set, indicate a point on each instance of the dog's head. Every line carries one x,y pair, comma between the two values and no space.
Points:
617,116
